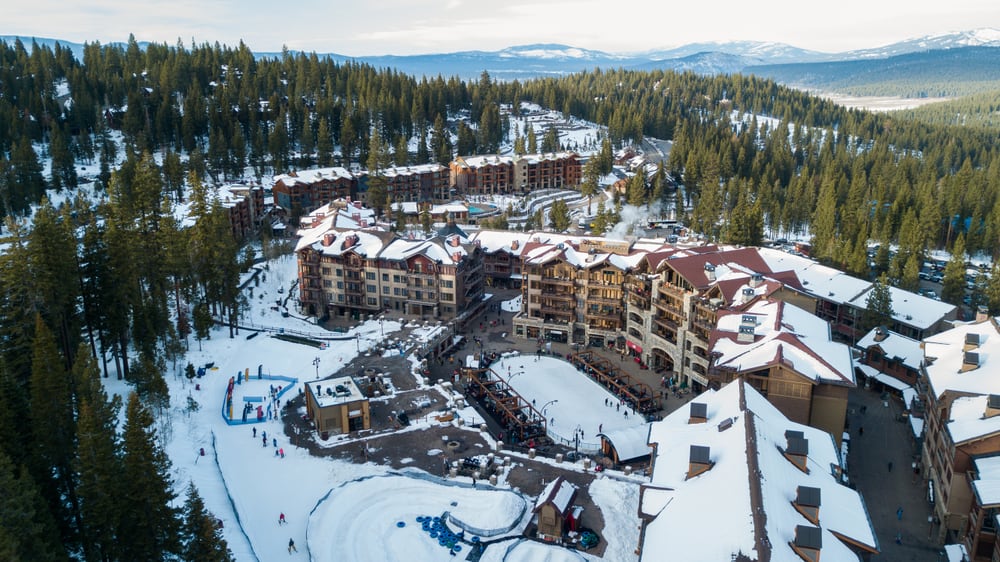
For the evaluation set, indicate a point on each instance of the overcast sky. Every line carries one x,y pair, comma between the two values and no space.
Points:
379,27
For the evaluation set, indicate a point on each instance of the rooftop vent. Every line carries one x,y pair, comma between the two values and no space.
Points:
797,450
699,413
756,279
972,341
699,461
807,501
808,541
992,406
725,424
745,334
970,361
748,319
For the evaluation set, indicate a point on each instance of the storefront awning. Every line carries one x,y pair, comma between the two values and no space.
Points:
636,348
555,332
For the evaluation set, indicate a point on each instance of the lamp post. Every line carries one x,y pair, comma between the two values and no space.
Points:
930,525
576,442
381,328
546,405
316,364
358,339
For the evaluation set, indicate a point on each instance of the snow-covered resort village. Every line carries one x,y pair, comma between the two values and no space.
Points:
547,346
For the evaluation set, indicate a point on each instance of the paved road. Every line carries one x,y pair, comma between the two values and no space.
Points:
886,490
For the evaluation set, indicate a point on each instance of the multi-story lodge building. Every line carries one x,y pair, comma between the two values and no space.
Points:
961,422
500,175
307,190
357,272
422,183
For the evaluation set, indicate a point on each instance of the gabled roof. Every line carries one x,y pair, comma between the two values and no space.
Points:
783,334
894,346
559,493
944,354
748,493
692,267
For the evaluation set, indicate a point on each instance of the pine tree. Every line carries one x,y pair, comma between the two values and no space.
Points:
27,530
53,429
953,283
63,163
559,216
148,518
98,463
324,144
878,306
824,222
203,541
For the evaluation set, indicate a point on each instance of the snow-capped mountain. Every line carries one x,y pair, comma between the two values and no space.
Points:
772,52
554,51
982,37
552,59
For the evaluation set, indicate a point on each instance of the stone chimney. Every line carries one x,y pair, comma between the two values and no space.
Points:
756,280
328,238
699,461
710,271
982,314
747,295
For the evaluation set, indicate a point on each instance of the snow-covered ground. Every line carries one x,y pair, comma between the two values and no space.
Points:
569,399
335,509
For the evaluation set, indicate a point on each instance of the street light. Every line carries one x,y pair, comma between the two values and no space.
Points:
359,341
316,364
546,405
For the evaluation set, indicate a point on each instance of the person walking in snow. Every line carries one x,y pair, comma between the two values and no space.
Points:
255,433
281,519
275,441
291,546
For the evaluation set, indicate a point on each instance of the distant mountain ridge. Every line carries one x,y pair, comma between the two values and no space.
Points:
783,62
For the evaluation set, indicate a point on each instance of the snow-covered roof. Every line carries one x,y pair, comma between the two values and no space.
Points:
944,354
335,243
896,346
754,441
314,175
910,308
508,241
629,442
335,391
968,420
782,333
825,282
559,492
987,485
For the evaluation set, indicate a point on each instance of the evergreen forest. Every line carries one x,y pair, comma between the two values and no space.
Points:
118,288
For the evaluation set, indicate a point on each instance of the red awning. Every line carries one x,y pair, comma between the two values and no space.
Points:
630,345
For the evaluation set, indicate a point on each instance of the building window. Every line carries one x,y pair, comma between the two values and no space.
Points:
385,290
370,275
395,279
340,298
325,270
372,301
327,283
340,273
385,277
447,284
371,288
340,285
